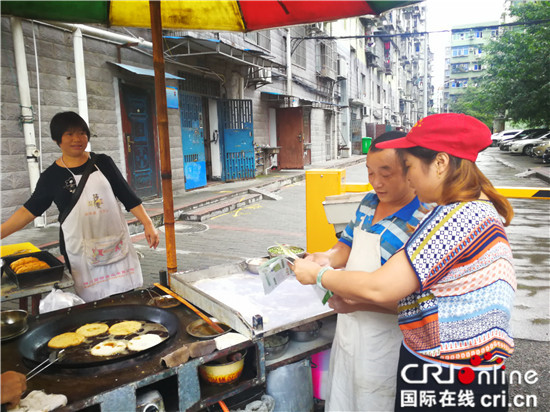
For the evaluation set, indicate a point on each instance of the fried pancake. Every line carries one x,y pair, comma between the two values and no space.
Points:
32,266
65,340
23,261
126,327
92,329
143,342
108,348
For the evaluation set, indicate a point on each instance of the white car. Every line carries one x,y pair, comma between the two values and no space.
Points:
526,146
505,134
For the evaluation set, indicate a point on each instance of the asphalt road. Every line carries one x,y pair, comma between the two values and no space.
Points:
247,232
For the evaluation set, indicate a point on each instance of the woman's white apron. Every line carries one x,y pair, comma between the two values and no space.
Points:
97,242
365,350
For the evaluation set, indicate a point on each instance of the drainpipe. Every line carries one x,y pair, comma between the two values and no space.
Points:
104,34
27,117
80,74
288,64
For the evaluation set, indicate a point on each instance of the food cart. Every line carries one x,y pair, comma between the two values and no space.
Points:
229,293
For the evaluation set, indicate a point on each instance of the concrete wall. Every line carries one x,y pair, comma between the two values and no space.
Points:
56,74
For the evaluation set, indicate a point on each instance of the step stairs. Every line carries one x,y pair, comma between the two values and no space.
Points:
208,211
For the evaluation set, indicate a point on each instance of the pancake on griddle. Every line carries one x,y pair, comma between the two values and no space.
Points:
92,329
143,342
65,340
124,328
108,348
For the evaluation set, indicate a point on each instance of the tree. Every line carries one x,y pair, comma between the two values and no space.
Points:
473,102
518,67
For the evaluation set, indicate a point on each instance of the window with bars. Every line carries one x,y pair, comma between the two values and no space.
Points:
262,38
298,46
327,59
199,84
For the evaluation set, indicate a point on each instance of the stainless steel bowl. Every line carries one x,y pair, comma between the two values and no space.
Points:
276,345
254,264
307,332
276,250
13,322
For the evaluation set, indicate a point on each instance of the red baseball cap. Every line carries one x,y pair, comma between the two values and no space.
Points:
456,134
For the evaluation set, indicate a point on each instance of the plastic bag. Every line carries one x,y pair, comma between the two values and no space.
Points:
57,299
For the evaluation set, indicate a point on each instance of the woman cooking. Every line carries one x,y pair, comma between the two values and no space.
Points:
454,278
365,350
94,235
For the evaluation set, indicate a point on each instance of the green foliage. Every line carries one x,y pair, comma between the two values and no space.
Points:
473,103
518,68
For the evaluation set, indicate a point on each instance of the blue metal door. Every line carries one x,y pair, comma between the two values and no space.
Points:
192,141
139,142
237,142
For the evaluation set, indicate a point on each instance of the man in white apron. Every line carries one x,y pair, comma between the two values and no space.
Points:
365,351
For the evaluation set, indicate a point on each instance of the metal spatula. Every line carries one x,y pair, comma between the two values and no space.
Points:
54,357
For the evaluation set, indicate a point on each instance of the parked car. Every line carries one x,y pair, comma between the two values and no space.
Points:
526,134
546,156
505,134
525,146
539,149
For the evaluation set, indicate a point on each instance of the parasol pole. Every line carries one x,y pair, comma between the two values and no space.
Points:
164,138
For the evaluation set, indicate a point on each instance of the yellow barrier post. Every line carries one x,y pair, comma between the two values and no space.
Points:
525,192
320,234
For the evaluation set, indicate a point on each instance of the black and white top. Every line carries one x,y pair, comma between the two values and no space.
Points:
56,184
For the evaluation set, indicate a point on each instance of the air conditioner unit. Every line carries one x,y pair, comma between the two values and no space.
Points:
342,68
265,75
317,27
260,75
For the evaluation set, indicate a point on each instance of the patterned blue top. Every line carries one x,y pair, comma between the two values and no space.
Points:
464,265
397,232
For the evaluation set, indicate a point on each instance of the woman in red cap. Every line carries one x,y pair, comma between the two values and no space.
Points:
454,278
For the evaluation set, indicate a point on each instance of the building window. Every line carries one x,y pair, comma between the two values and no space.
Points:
378,94
479,34
459,36
478,50
298,46
327,59
261,38
363,85
460,51
459,67
459,83
477,67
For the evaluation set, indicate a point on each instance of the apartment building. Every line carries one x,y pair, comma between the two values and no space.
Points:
463,59
238,104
